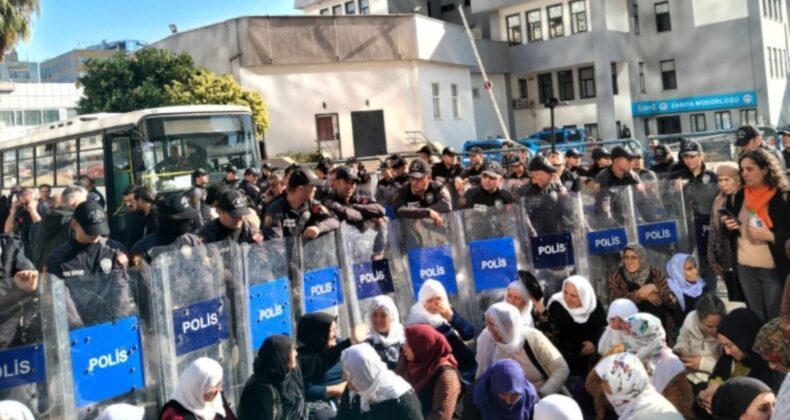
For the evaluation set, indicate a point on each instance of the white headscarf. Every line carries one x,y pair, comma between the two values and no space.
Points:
365,370
676,268
619,308
557,407
526,313
418,314
122,412
586,296
648,341
14,410
396,333
508,325
200,376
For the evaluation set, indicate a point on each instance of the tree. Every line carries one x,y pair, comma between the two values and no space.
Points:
15,22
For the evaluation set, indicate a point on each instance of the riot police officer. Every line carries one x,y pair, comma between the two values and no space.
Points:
749,137
422,197
664,163
249,185
489,192
231,176
546,200
298,213
446,171
263,180
393,177
176,216
18,284
517,169
347,203
231,223
567,178
602,159
620,174
471,175
197,197
573,163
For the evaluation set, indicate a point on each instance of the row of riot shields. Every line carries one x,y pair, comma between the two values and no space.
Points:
80,343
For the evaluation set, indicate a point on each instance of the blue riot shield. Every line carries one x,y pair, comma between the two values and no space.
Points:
698,199
661,220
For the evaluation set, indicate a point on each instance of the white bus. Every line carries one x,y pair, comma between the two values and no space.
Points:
157,147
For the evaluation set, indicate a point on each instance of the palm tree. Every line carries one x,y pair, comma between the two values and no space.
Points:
15,21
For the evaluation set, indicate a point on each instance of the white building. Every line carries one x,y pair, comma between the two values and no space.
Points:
25,105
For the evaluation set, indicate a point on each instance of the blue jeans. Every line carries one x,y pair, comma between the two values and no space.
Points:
763,290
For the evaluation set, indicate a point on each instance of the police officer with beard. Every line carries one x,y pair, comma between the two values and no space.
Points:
346,203
298,213
489,192
446,171
231,223
421,197
567,178
249,185
471,175
175,222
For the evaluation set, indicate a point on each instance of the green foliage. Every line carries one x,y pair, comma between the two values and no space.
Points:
15,18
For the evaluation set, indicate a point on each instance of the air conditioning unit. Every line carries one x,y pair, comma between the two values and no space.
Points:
522,103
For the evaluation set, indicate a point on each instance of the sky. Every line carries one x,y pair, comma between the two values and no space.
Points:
67,24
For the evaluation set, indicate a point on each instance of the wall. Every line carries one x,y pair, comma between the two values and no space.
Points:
618,15
447,130
377,7
62,97
486,120
707,12
775,65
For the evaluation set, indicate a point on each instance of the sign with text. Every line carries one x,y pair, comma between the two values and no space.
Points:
493,263
270,310
22,365
106,360
373,278
694,103
322,289
433,264
200,325
609,241
660,233
550,251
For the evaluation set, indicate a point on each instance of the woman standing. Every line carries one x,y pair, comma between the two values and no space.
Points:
386,332
720,253
773,345
501,393
759,224
198,394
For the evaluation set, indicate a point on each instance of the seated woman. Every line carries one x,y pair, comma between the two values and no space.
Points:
685,283
198,394
773,345
628,389
736,335
698,344
557,407
319,359
385,330
427,363
646,286
577,321
505,338
744,398
433,308
374,391
518,296
615,332
501,393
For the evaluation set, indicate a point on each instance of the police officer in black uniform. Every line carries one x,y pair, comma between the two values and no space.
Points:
231,225
347,203
567,178
620,174
422,197
446,171
298,213
231,179
518,171
197,197
263,180
89,254
664,163
602,159
175,222
547,212
471,175
249,185
573,163
489,192
393,177
749,137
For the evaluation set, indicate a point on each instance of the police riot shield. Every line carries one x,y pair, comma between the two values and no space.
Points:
264,305
553,232
609,221
101,351
366,260
661,220
492,255
24,376
319,281
698,199
190,315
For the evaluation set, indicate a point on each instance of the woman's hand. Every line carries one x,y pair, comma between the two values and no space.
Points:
730,223
444,309
587,348
692,362
335,391
761,233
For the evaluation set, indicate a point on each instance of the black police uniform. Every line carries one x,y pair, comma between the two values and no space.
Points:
580,172
478,196
444,174
282,221
570,181
234,185
214,231
550,209
197,199
96,196
150,222
473,174
251,190
411,206
356,209
607,198
701,188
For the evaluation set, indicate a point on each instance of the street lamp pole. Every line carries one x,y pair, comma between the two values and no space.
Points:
552,103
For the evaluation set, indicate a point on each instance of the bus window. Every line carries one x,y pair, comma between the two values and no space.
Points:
45,164
26,178
9,175
92,158
66,162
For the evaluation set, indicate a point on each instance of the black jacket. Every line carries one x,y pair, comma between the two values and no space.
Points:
405,407
477,196
282,221
214,231
356,209
53,231
411,206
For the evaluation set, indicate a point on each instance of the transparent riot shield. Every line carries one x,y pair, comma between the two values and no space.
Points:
492,255
190,315
553,229
366,259
698,199
609,219
24,376
100,350
661,220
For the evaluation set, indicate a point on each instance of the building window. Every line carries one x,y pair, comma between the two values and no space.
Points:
578,16
556,28
325,11
668,125
748,116
646,126
33,117
545,87
437,112
475,93
522,88
668,76
615,89
364,7
723,121
642,87
765,7
771,61
337,10
636,19
565,81
587,82
663,23
454,97
513,23
534,27
592,131
698,122
351,8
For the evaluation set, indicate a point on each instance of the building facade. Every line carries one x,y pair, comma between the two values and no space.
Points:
26,105
13,70
68,67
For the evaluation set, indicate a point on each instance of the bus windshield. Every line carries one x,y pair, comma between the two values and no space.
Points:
175,146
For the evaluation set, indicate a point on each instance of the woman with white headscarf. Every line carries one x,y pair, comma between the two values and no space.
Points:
198,394
433,308
386,334
505,338
615,332
518,296
372,390
628,389
577,320
122,412
557,407
15,410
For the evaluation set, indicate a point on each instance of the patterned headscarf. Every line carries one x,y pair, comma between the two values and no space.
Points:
641,275
773,341
627,379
